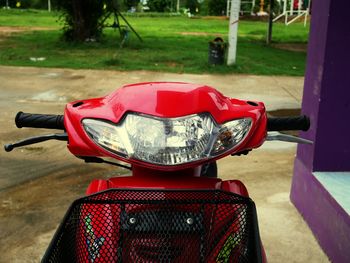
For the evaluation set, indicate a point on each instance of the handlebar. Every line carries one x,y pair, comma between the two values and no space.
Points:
46,121
50,121
288,123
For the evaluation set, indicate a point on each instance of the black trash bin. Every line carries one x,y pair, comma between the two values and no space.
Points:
217,49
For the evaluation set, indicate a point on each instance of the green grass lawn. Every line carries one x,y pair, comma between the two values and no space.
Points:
165,46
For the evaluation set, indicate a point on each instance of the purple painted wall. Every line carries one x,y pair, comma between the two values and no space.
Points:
326,96
326,101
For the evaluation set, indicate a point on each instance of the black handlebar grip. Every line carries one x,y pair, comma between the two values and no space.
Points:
301,123
45,121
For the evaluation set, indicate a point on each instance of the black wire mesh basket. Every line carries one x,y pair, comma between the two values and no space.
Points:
121,225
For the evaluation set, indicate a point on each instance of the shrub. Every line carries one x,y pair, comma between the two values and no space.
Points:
159,5
38,4
217,7
130,3
82,18
192,5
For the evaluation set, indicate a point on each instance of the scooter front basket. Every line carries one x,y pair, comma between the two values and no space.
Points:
120,225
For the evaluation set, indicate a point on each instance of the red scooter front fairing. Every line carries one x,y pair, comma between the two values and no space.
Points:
172,208
169,101
163,212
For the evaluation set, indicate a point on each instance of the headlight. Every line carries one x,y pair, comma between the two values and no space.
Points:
106,135
230,134
167,141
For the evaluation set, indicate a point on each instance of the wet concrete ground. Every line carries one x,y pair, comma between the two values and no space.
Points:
38,182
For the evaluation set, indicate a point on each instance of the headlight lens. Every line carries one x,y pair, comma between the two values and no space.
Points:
105,135
167,141
231,134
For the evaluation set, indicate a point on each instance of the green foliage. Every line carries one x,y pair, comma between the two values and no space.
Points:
127,4
171,44
81,18
217,7
37,4
152,14
246,8
12,3
204,8
192,5
159,5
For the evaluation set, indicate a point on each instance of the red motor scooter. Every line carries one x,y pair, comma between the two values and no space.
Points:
173,208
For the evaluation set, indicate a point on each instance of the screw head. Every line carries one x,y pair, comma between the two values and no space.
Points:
132,220
189,221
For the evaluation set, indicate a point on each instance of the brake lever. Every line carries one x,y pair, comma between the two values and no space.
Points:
93,159
37,139
277,136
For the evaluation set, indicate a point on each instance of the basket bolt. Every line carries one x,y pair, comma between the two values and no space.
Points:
189,221
132,220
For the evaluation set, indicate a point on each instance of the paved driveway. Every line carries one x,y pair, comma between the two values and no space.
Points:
38,183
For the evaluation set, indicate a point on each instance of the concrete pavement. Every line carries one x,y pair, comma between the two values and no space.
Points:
38,183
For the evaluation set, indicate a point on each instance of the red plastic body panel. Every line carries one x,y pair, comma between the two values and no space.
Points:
146,178
235,186
161,99
154,182
161,182
185,179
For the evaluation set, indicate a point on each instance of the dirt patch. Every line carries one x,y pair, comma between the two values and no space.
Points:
199,34
172,64
297,47
16,29
6,31
215,17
